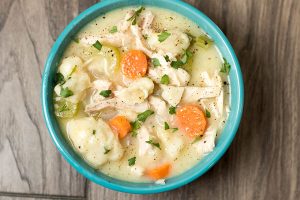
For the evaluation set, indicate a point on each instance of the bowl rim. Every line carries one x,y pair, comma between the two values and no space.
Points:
145,190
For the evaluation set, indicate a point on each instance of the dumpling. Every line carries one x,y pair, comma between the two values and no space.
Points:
94,140
172,143
136,92
172,94
175,44
207,142
68,64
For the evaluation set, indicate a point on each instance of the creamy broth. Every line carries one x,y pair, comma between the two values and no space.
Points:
204,60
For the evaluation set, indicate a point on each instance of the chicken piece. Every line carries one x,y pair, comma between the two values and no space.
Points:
145,150
207,143
94,140
159,106
194,94
137,170
115,103
172,143
177,77
137,91
146,21
98,86
175,44
172,94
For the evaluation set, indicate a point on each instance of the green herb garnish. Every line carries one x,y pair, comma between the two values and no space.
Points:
163,36
156,144
134,17
167,126
177,64
105,93
65,92
165,79
174,130
59,78
172,110
94,132
155,62
114,29
225,67
131,161
135,126
106,151
207,113
186,56
144,115
167,58
97,45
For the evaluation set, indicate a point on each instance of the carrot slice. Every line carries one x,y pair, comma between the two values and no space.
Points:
120,125
159,172
191,120
134,64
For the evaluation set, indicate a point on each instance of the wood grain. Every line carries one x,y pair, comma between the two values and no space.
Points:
263,161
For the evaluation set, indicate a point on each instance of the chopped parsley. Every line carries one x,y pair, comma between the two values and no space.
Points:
65,92
174,130
106,150
105,93
167,126
165,79
135,126
114,29
172,110
144,115
207,113
183,60
204,41
135,15
163,36
177,64
94,132
75,39
167,58
59,79
131,161
156,144
97,45
155,62
225,67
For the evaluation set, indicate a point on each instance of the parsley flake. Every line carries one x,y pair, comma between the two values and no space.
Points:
135,15
207,113
167,126
225,67
156,144
155,62
105,93
65,92
114,29
165,79
144,115
97,45
163,36
172,110
131,161
106,150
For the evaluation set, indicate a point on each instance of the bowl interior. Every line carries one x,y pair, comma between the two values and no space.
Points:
226,137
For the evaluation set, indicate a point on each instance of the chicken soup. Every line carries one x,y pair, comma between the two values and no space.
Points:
142,93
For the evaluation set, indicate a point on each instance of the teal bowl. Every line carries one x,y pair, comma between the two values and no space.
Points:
226,137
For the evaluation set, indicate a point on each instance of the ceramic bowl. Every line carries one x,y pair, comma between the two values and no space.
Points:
223,142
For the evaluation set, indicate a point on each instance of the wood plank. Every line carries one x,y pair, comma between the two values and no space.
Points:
32,163
263,161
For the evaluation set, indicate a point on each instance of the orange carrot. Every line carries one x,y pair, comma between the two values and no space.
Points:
120,125
134,64
191,120
159,172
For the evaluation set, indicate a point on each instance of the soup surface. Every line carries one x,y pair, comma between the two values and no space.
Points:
142,94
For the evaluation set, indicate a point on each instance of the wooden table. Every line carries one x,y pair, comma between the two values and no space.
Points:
262,163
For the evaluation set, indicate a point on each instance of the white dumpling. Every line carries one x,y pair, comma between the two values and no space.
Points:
172,143
172,94
136,92
78,82
92,139
175,44
68,64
